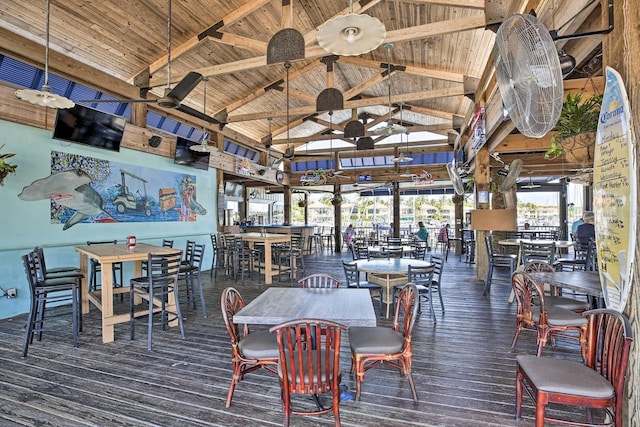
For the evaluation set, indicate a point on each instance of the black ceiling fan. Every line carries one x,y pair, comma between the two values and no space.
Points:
172,97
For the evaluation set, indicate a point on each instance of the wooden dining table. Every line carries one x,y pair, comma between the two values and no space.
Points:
584,282
268,239
351,307
103,298
389,273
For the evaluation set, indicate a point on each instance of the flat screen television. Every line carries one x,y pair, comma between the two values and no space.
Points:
232,189
187,157
84,125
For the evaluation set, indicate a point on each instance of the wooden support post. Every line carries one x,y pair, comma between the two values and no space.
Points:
483,177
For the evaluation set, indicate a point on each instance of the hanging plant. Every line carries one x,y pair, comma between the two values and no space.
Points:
575,129
302,203
336,199
5,167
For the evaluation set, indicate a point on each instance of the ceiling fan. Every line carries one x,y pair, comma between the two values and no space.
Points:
530,185
172,97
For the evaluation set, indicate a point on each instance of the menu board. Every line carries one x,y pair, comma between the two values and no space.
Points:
615,193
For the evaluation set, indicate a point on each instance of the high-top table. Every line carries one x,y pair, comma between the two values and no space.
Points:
103,299
268,239
352,307
389,273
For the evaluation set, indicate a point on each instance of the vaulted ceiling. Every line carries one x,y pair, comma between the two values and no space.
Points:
441,63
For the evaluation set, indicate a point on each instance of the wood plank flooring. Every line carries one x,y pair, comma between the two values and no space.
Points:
463,368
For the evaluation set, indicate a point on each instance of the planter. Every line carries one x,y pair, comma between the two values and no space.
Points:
3,175
579,148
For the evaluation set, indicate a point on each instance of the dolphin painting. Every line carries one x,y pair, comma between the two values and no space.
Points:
70,189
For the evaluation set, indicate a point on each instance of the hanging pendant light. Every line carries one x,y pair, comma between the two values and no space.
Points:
403,158
44,97
204,146
390,128
351,35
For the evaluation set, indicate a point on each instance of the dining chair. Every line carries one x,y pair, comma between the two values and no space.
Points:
422,278
95,267
359,252
307,366
46,291
352,276
158,285
292,257
596,384
580,259
532,313
249,351
371,346
531,251
56,271
553,294
191,274
166,243
319,280
496,259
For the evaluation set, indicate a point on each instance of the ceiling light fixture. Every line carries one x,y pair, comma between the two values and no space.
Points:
390,128
204,146
44,97
352,34
403,158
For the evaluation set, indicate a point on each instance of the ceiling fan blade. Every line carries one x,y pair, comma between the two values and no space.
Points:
126,101
198,114
186,85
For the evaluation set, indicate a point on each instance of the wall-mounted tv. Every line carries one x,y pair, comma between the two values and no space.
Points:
187,157
233,189
84,125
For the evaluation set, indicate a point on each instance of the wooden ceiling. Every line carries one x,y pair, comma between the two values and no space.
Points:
441,57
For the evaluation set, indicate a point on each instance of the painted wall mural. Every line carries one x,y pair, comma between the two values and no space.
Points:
91,190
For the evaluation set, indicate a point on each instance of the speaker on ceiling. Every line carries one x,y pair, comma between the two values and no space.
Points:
155,141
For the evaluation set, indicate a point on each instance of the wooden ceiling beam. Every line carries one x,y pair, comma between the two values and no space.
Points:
305,111
394,36
233,17
467,4
409,69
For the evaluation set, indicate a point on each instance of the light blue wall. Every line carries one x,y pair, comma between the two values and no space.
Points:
24,225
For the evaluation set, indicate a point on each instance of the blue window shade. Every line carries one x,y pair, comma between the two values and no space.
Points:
239,151
311,165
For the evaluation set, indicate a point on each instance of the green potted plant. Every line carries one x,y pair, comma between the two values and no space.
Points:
5,167
575,129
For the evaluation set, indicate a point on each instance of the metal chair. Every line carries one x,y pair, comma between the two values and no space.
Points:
531,251
496,260
95,267
160,285
371,346
307,365
191,274
352,275
49,290
249,351
596,384
291,256
422,279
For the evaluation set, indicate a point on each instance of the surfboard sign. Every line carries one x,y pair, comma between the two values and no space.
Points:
615,193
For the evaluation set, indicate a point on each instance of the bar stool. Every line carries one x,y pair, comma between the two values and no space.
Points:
44,291
95,267
159,285
328,238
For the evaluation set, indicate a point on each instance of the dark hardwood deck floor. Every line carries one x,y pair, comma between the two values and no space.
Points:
463,368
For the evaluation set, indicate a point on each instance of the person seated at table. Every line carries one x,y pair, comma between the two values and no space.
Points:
423,233
575,225
526,235
586,231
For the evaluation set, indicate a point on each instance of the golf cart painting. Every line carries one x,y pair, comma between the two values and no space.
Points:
89,190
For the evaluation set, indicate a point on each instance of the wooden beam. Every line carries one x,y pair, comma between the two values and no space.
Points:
394,36
409,69
468,4
379,100
233,17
